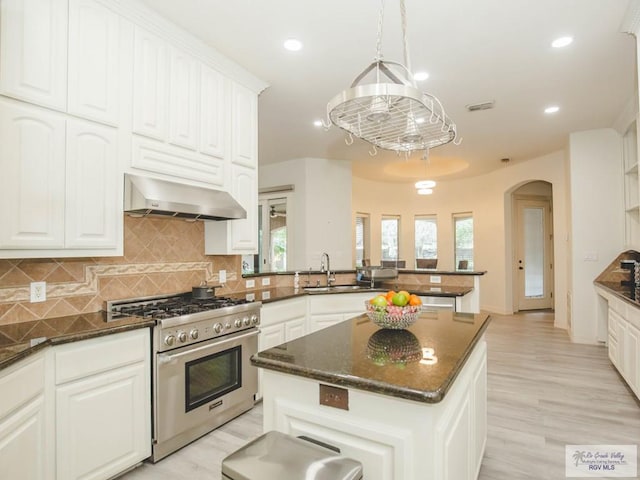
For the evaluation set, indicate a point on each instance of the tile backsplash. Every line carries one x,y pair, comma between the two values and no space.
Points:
161,256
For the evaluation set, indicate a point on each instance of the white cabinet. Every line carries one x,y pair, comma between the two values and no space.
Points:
179,113
236,237
281,322
244,113
183,100
60,186
327,310
93,189
26,430
94,43
150,94
103,405
623,338
33,51
32,184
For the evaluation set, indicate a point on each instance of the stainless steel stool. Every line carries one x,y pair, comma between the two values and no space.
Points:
277,456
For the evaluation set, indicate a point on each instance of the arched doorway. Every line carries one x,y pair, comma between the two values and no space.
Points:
532,234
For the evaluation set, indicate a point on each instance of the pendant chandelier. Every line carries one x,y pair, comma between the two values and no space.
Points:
391,113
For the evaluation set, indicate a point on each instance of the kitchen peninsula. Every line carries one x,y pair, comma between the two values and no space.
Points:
409,404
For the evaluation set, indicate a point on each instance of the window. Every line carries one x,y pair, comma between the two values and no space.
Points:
390,237
362,238
426,236
463,227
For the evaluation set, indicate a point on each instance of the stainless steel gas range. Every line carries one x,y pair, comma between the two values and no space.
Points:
202,376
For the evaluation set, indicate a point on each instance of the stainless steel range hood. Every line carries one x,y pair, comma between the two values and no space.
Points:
150,196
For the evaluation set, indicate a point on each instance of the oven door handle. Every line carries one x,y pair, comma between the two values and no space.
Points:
168,357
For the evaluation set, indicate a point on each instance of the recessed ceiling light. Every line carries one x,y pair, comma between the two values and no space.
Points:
425,191
552,109
561,42
293,45
420,120
420,76
317,123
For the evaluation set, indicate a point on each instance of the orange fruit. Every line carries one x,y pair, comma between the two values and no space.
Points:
390,295
405,293
414,300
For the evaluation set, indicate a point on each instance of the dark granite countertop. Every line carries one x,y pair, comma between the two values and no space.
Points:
358,354
624,292
425,271
268,295
18,340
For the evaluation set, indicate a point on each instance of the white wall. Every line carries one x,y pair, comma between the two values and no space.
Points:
597,221
488,198
321,209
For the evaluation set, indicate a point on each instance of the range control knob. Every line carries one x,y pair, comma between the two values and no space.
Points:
194,334
169,340
227,325
217,327
182,336
254,319
246,321
237,323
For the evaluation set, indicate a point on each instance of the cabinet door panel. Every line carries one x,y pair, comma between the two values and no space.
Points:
245,118
632,358
244,232
150,94
32,162
33,51
93,61
23,443
183,100
294,329
92,186
212,113
102,426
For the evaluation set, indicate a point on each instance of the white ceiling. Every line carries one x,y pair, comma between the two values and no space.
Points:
475,51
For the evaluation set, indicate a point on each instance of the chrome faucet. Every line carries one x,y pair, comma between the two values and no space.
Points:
326,267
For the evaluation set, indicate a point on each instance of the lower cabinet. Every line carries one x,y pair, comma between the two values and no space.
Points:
103,405
327,310
281,322
78,410
623,339
26,429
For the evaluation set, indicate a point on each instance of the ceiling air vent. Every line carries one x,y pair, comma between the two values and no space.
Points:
481,106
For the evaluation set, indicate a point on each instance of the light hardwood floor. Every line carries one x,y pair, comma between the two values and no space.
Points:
544,393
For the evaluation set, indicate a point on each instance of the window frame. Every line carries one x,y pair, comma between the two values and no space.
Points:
366,236
432,218
397,239
457,217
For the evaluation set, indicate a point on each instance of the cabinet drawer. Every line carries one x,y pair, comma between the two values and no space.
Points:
21,382
88,357
282,311
613,351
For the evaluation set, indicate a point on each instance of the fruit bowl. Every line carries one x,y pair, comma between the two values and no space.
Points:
399,347
392,316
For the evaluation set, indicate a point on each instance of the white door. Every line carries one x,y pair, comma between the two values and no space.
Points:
534,260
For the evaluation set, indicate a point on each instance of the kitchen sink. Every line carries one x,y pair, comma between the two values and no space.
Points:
335,288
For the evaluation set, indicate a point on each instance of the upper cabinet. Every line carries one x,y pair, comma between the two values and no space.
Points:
33,51
90,89
93,61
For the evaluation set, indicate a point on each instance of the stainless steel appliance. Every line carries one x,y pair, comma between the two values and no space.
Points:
202,376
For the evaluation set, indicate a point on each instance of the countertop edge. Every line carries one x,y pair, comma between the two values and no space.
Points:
74,337
616,293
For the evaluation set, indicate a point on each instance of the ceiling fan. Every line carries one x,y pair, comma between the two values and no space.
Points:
274,214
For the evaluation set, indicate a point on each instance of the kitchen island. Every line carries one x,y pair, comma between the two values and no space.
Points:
409,404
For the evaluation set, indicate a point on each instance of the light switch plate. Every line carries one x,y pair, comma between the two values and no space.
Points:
251,283
266,281
222,276
250,297
435,279
266,295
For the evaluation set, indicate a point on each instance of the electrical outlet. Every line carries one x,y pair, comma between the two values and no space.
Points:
266,281
251,283
222,276
266,295
435,279
250,297
38,292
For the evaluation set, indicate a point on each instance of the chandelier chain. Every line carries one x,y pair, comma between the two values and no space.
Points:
405,39
380,25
